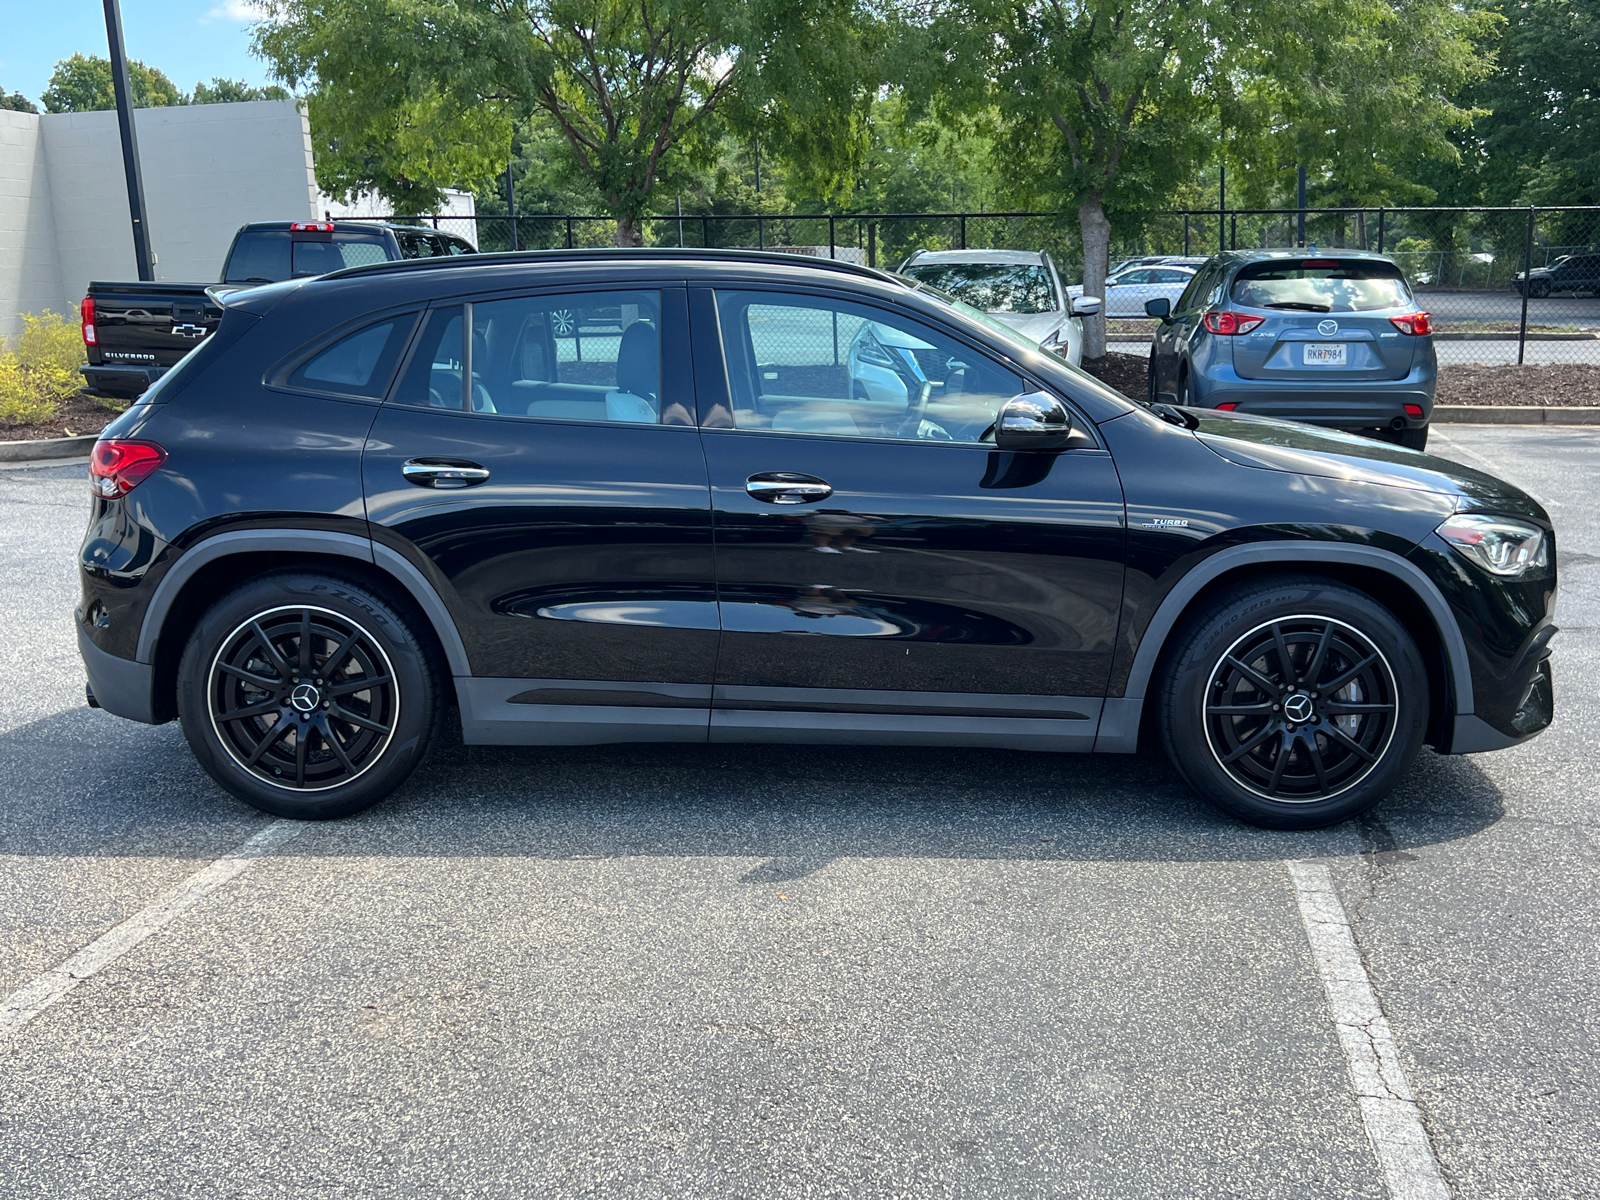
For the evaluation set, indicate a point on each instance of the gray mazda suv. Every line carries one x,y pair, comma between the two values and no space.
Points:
1333,338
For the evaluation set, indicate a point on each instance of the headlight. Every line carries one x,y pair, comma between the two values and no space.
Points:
1499,545
1055,341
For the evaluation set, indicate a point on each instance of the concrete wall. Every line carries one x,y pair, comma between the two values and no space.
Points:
30,275
208,168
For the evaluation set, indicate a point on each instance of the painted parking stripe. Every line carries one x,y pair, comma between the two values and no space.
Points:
28,1001
1388,1107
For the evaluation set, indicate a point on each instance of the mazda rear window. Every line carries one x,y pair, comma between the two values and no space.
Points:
992,287
1322,285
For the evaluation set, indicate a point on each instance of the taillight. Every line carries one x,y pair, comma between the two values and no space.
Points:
1230,324
86,311
1228,407
116,466
1416,324
311,227
1414,411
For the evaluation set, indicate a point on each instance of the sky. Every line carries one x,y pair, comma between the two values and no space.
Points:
190,40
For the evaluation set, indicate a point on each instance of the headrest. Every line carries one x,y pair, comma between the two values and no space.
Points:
639,360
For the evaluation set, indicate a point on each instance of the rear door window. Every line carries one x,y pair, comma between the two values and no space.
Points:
588,356
1322,285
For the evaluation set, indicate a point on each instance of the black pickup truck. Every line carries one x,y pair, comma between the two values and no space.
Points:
135,332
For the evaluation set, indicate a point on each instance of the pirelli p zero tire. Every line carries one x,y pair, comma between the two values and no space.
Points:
307,696
1293,703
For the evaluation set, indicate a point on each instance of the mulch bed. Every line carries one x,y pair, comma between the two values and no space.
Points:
78,414
1566,385
1127,373
1562,386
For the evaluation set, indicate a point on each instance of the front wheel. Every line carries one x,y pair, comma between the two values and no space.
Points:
1539,289
1294,703
307,696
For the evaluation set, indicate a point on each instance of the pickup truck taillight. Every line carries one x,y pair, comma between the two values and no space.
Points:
86,311
117,466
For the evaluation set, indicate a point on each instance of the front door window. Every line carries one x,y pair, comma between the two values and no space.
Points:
803,365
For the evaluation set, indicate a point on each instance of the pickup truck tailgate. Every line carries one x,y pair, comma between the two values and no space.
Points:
149,324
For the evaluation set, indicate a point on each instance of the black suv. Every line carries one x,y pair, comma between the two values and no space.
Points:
1573,273
628,496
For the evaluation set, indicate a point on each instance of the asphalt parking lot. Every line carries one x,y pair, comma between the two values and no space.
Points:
790,971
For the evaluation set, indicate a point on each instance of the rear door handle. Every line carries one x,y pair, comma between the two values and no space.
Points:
443,472
787,487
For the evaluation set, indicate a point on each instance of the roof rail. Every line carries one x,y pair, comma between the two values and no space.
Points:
655,253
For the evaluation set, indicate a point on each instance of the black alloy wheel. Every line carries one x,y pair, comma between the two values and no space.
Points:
1300,709
307,695
303,697
1293,703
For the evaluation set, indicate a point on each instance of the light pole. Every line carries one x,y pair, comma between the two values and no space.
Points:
130,142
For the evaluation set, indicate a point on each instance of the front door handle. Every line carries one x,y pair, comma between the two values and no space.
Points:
443,472
787,487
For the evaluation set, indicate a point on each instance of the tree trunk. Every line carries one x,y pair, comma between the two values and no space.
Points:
1096,231
630,231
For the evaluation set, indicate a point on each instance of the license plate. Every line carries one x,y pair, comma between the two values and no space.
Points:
1324,354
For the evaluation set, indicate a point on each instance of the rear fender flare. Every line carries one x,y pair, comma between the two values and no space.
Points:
303,541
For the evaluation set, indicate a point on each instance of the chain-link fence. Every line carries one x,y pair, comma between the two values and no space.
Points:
1505,287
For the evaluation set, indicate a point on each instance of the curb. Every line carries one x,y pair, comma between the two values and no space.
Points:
1514,414
67,447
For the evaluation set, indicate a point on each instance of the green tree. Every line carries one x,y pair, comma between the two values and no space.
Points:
410,96
1113,107
82,83
17,102
231,91
1542,133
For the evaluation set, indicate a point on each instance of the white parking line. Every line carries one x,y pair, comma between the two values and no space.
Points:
32,998
1388,1108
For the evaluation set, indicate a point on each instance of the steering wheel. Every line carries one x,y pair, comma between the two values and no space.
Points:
913,421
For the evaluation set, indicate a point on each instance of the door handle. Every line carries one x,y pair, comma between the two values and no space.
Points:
443,472
786,487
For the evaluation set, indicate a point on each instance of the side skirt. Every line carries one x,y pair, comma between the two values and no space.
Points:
568,712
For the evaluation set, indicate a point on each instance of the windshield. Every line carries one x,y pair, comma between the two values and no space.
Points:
993,287
1322,285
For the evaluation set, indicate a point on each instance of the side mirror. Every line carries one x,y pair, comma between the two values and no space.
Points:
1161,308
1033,421
1084,306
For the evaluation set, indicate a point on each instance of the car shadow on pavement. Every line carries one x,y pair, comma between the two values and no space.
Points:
82,783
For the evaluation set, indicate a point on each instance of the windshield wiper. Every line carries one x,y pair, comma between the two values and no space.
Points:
1301,306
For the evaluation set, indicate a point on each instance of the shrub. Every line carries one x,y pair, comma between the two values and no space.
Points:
39,367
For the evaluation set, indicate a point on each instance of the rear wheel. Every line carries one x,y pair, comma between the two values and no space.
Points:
307,696
1294,703
1412,439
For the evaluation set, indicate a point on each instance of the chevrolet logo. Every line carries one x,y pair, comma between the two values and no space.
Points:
189,331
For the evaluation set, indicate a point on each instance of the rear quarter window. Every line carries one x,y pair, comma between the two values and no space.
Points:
358,364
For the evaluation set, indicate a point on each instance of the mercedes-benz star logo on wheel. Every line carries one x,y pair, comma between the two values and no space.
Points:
1298,708
1327,328
305,698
